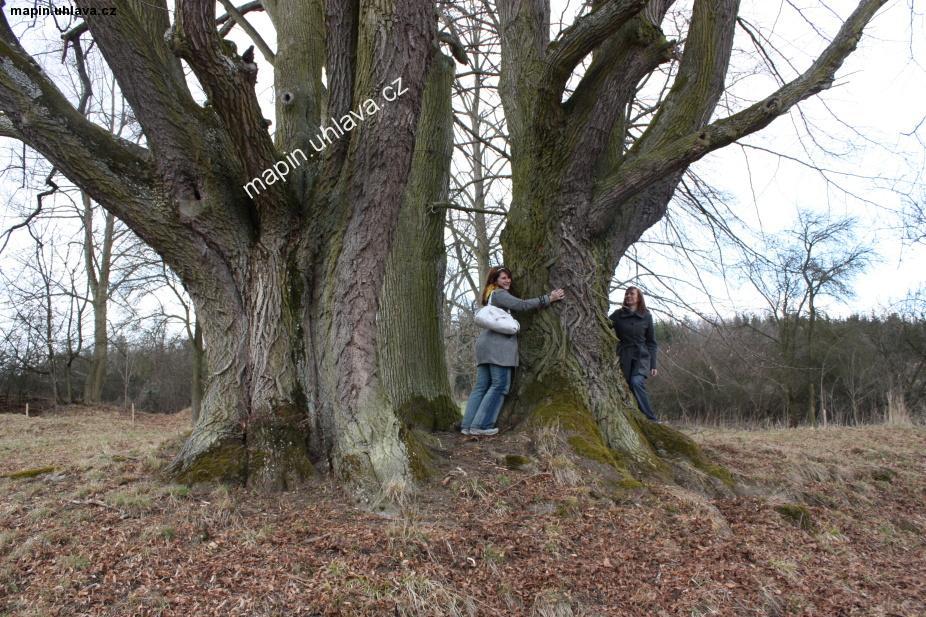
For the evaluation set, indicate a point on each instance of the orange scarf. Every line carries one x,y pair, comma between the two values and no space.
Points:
488,293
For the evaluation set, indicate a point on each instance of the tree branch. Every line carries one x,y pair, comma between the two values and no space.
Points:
36,112
227,23
229,83
596,123
456,47
341,17
116,173
53,188
154,85
239,19
701,75
580,39
449,205
524,26
673,155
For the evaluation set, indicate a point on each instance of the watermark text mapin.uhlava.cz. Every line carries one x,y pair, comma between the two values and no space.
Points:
63,10
336,129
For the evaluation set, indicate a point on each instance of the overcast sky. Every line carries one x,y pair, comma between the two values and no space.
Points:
878,96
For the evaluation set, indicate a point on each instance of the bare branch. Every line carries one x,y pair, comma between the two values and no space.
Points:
229,82
228,23
677,153
53,188
449,205
456,47
236,15
580,39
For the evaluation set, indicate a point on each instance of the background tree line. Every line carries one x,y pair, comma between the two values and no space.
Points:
865,368
858,369
151,371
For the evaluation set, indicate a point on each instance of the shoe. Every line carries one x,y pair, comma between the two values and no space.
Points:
466,431
483,431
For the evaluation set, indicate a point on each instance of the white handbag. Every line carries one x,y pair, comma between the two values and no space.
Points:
496,319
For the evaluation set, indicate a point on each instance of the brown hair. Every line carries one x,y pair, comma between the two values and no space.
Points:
641,302
492,282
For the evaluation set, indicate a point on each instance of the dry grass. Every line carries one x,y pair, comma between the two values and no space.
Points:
103,534
78,438
554,454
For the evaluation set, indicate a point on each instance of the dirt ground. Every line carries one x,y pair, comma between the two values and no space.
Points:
826,522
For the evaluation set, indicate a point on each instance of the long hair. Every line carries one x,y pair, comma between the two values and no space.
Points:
492,282
641,302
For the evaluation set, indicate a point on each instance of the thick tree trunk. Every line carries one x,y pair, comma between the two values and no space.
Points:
252,423
411,352
313,364
570,373
569,226
376,296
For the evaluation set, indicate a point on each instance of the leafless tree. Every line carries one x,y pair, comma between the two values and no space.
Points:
818,259
302,286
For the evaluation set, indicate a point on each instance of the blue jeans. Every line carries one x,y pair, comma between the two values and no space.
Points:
638,386
492,383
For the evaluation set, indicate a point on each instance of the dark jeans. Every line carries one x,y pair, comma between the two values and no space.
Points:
492,383
638,386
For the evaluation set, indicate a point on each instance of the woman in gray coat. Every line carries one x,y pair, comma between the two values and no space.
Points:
497,355
633,324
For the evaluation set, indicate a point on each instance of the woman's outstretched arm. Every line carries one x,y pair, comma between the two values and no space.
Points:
505,300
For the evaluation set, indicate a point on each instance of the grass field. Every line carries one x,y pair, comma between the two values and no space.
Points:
826,522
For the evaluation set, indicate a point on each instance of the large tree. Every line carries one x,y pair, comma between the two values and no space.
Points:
586,185
307,304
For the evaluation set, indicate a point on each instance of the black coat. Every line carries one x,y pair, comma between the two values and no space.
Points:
637,347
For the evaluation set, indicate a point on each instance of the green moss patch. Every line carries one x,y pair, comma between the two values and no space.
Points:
554,406
437,414
28,473
593,449
676,443
629,484
421,459
516,461
797,515
224,462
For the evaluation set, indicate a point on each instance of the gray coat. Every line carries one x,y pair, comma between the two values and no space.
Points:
502,349
637,347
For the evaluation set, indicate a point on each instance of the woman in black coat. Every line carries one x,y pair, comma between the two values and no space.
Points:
633,324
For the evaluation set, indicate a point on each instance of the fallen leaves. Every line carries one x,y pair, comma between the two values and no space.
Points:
479,540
